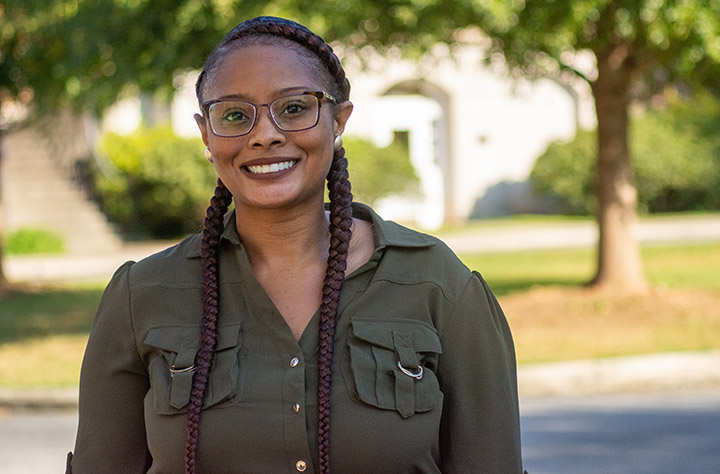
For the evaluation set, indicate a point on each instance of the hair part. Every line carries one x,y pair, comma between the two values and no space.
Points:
320,57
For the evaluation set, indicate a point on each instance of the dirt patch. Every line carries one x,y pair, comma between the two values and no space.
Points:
554,323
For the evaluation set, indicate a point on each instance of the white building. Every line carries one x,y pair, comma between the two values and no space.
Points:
469,125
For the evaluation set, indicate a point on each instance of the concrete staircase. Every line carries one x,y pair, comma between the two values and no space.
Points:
39,191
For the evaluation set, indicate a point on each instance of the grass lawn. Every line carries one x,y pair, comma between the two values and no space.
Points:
43,332
677,267
553,318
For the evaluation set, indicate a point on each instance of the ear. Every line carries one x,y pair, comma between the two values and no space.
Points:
202,125
342,114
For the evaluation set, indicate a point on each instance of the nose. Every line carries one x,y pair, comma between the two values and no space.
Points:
265,132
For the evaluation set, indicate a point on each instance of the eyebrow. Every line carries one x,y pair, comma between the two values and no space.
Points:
280,92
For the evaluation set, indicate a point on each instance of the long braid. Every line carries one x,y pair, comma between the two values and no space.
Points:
340,233
340,222
212,229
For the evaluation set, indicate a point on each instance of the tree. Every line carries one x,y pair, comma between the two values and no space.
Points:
85,54
676,159
633,43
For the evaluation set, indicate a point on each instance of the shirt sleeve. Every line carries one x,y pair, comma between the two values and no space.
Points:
113,382
480,428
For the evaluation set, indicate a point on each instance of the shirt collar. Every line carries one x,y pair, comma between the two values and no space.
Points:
385,233
389,233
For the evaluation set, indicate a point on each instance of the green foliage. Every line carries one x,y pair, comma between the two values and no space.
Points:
160,185
677,156
566,170
378,172
676,165
86,53
539,37
28,241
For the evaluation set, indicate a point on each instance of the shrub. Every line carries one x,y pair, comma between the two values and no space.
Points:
27,241
158,184
378,172
566,170
675,155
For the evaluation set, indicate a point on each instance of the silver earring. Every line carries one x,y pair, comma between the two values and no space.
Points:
208,155
338,143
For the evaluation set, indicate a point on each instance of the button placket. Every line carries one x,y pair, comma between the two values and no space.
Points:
294,396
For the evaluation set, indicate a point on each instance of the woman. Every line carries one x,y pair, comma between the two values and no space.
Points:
213,357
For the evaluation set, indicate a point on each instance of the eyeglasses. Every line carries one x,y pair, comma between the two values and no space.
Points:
293,113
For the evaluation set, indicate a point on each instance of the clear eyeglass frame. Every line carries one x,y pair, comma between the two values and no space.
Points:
209,107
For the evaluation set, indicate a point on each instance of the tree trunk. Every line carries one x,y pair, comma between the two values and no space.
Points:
619,264
4,285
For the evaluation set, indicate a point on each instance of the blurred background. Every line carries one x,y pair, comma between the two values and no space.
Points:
568,150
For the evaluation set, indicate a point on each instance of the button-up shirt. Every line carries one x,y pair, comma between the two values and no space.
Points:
424,375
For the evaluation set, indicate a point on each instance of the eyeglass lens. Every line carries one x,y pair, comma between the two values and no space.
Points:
237,117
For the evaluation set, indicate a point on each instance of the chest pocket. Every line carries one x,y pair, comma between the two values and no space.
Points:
392,365
171,371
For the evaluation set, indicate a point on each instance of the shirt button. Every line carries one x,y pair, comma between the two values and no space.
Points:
301,466
296,408
294,362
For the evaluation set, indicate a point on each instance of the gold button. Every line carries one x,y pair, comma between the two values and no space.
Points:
296,408
301,466
294,362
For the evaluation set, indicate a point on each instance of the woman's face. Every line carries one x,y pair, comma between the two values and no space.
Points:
260,74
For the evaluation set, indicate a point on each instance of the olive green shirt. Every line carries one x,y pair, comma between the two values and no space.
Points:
424,375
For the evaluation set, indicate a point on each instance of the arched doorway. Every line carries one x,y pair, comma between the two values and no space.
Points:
422,110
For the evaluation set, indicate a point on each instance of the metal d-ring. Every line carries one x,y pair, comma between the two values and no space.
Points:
174,370
416,375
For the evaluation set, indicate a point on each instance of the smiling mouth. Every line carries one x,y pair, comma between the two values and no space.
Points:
271,168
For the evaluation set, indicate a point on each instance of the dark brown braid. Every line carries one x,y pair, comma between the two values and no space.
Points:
340,233
210,243
313,48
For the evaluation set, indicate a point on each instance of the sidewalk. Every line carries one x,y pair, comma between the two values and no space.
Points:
77,268
495,238
654,230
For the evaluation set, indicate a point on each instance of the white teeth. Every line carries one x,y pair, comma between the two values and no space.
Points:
273,168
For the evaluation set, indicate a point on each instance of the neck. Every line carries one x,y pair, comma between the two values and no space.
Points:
283,236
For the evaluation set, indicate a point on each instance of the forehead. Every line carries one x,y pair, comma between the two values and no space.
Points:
261,71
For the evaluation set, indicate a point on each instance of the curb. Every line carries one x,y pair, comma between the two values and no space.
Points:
37,399
680,370
622,374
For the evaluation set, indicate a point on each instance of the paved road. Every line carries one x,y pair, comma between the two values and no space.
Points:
649,433
36,442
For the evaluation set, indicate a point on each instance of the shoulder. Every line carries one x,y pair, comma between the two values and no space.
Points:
412,257
435,263
178,265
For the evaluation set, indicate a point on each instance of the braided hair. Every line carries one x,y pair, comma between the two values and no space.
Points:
319,56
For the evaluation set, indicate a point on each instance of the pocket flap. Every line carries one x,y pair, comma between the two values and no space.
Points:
380,333
181,339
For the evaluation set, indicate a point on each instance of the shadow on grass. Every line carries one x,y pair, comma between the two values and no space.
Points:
505,287
31,314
